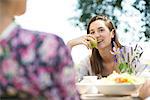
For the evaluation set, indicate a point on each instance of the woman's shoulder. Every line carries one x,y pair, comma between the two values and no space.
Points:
85,61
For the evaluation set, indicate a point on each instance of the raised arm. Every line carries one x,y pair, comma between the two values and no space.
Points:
86,40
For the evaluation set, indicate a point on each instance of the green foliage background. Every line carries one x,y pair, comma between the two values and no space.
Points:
88,8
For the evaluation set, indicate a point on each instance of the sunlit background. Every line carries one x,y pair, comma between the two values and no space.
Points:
54,16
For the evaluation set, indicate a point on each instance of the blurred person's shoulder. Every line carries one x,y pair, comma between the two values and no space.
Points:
41,35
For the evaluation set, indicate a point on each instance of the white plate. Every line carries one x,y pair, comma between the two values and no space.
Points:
118,89
105,97
91,96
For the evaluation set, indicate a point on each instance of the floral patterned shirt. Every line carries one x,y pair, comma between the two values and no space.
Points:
36,63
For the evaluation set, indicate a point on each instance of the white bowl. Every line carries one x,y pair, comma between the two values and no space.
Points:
118,89
90,78
85,88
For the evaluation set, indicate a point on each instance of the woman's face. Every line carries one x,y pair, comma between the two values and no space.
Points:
101,32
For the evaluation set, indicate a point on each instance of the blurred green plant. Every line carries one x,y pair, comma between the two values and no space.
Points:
124,67
127,58
88,8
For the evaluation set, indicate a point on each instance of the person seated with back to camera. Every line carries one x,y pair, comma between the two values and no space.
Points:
33,65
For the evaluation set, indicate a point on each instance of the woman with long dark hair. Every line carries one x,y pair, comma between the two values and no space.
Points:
108,53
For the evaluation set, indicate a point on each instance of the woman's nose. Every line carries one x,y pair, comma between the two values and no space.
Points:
97,34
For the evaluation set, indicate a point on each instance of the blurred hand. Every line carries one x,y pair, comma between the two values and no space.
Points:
86,40
144,91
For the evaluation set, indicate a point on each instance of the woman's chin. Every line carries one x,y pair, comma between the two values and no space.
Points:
100,46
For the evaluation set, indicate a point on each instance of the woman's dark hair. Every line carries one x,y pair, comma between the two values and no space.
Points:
96,59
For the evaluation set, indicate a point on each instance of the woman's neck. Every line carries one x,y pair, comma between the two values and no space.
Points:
4,22
106,55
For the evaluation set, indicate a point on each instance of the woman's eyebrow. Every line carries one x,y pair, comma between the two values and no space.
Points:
100,27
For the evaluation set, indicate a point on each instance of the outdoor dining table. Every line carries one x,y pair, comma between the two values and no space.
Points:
114,94
107,97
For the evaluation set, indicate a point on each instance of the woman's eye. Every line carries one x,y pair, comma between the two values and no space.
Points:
91,32
101,30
